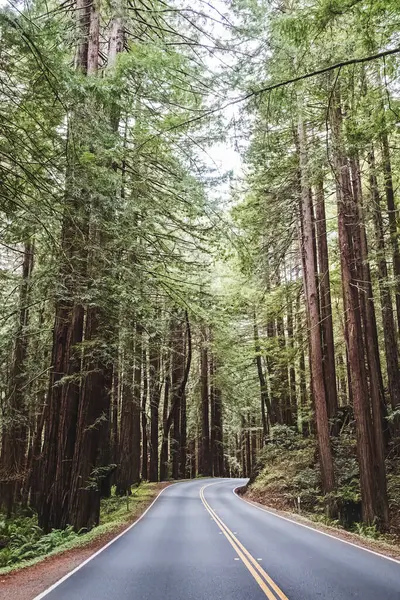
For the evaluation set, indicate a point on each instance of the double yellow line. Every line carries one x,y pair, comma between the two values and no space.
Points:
268,586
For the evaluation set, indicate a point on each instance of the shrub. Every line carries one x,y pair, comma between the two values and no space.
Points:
24,540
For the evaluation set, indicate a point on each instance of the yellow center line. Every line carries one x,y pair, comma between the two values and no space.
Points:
250,562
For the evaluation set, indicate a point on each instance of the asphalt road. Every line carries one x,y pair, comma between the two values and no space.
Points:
199,541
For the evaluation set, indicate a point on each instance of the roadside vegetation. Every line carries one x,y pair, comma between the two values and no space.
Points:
163,318
287,477
23,543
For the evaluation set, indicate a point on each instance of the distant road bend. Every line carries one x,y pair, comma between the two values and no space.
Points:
199,541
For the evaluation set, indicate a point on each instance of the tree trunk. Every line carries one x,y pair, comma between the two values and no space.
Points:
217,451
392,214
353,329
177,369
145,474
321,413
178,388
248,449
219,463
205,458
286,416
34,477
63,395
191,471
264,397
389,329
155,393
372,351
129,449
135,456
183,439
88,470
292,370
183,429
164,443
325,306
15,419
115,409
303,422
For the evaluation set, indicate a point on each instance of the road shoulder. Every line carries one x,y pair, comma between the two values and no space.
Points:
377,546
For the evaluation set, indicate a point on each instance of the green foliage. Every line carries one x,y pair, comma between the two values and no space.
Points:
287,469
120,155
119,508
289,473
324,519
393,477
287,438
23,540
346,467
367,531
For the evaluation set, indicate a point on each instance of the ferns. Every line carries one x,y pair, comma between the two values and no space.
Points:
23,540
367,531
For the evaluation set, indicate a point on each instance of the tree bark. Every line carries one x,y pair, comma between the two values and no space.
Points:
88,470
325,306
205,462
372,350
285,411
177,370
352,312
63,396
388,322
178,388
303,424
129,448
217,451
393,218
183,428
145,461
155,394
292,370
15,419
115,409
264,398
320,401
164,443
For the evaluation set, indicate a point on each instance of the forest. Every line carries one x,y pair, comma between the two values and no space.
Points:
165,315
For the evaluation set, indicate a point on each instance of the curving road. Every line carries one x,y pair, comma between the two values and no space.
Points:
199,541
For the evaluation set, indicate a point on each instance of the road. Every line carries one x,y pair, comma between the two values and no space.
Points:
199,541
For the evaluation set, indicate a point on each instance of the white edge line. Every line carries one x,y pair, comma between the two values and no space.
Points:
85,562
334,537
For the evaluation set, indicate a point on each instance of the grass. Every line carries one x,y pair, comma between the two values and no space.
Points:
25,543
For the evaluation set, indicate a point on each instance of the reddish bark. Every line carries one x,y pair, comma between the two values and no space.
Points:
311,291
351,301
15,418
325,305
204,462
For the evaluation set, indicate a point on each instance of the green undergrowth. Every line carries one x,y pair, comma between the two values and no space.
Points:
288,478
23,543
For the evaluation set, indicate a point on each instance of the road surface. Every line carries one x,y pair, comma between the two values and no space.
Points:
199,541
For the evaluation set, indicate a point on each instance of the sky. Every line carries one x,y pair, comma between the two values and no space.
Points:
224,156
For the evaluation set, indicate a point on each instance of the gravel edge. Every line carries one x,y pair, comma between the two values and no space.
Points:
379,546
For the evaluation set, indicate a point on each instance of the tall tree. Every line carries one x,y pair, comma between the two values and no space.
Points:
320,400
205,456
